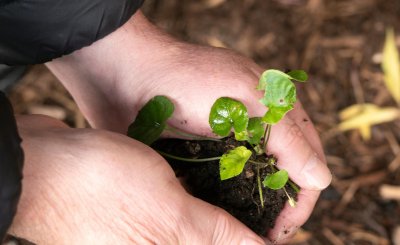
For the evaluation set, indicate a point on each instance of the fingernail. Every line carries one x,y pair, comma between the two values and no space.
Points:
286,234
316,174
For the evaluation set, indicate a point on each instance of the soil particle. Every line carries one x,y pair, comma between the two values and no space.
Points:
239,196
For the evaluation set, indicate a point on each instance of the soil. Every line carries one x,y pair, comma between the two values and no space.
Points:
239,195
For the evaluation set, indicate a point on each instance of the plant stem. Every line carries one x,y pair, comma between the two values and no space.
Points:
188,159
259,186
294,186
258,163
292,202
267,133
188,135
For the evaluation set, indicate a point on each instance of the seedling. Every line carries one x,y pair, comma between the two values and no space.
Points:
229,115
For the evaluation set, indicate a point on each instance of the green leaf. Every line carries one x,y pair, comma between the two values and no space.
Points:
242,136
269,76
279,93
275,114
227,113
276,180
298,75
255,129
279,97
232,163
151,120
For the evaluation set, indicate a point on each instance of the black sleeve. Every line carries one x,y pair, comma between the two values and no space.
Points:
11,161
37,31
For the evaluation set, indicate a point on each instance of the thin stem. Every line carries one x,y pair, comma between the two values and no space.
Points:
292,202
259,187
258,163
294,186
188,159
267,133
188,135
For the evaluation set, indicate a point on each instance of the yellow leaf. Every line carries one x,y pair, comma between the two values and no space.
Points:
391,65
365,131
363,116
356,109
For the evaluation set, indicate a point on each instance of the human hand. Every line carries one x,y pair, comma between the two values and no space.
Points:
294,141
152,63
85,186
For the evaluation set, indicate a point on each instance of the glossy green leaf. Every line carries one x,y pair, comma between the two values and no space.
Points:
227,113
298,75
255,129
276,180
232,163
151,120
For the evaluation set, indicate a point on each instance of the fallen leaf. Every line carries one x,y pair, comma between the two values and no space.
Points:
363,116
391,65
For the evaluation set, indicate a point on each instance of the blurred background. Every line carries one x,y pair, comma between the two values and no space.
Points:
340,43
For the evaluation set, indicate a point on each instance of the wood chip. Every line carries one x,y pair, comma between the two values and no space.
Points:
215,42
343,42
335,240
346,198
396,236
51,111
301,236
390,192
214,3
395,164
369,237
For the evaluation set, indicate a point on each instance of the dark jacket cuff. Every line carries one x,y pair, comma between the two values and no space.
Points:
38,31
12,158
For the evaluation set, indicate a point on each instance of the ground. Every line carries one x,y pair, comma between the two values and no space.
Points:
339,43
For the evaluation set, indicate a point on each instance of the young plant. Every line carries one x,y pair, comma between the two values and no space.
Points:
229,115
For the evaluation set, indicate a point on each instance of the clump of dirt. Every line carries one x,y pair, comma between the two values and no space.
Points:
239,195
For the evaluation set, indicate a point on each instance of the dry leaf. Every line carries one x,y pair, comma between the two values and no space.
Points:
363,116
391,65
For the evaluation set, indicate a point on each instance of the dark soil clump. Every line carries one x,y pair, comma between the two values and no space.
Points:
239,196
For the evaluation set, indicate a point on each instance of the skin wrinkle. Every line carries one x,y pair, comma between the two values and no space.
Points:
222,225
133,229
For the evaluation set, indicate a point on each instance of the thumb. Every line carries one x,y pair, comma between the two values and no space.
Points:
215,226
306,166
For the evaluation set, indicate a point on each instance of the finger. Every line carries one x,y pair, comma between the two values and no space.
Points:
300,117
291,218
295,154
215,226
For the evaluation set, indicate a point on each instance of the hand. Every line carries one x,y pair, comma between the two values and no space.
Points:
85,186
151,63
